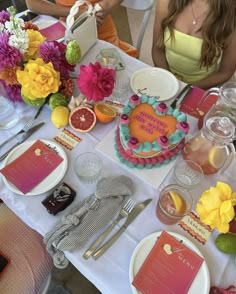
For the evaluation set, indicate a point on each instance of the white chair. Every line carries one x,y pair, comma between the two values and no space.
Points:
143,5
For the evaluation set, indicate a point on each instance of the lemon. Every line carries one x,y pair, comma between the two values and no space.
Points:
217,156
60,116
178,202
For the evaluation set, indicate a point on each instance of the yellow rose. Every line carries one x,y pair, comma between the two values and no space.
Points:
38,79
35,39
215,207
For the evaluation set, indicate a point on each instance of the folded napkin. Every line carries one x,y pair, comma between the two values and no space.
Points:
85,219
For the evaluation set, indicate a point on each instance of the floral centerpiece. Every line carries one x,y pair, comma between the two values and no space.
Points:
31,69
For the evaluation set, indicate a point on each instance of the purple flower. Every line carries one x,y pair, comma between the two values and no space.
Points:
9,56
4,16
13,92
54,52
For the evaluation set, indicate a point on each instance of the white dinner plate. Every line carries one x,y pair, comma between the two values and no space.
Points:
51,180
156,82
202,279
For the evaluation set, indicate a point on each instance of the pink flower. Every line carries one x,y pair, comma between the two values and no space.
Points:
96,82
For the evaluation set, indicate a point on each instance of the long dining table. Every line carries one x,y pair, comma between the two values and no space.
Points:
110,273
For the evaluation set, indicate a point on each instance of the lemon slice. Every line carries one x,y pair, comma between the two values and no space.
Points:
178,202
216,156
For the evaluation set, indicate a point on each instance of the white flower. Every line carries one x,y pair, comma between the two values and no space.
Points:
20,41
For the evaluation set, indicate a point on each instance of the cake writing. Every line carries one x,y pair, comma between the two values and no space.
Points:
150,124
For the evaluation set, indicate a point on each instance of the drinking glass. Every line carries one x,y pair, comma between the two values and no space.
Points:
88,167
188,173
8,114
107,61
173,204
122,87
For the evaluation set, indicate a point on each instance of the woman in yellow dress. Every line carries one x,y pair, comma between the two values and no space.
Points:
106,28
196,40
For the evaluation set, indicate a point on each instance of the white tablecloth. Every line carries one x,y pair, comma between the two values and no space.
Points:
110,273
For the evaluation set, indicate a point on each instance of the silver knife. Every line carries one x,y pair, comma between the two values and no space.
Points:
173,104
181,100
24,137
133,214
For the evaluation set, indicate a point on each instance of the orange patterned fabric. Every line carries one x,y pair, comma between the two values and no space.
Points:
107,31
30,264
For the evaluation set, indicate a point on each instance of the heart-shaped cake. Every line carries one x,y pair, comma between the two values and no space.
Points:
149,132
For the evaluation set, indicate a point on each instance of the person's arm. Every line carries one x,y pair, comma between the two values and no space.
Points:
226,69
107,7
47,8
158,54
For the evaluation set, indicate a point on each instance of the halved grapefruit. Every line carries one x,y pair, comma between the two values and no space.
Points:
82,119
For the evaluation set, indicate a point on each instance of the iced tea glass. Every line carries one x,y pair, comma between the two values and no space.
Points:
173,204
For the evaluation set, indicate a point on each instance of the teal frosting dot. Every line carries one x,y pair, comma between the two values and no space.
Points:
130,164
126,109
182,117
166,161
174,138
156,146
140,148
176,113
147,146
144,99
170,110
139,166
152,100
148,166
158,164
154,105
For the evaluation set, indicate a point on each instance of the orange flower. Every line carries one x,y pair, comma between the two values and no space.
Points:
9,75
67,87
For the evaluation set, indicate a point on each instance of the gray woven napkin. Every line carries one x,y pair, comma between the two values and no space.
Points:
90,215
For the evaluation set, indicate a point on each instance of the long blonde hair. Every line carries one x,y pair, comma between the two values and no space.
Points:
218,25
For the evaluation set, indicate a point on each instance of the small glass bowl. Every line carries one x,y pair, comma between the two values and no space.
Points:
88,167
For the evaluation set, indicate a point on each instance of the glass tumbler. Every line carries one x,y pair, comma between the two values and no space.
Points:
188,173
8,114
88,167
173,204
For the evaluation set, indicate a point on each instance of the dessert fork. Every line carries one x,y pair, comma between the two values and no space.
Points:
125,210
26,127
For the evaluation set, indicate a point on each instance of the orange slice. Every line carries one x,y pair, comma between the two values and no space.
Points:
217,156
178,202
104,112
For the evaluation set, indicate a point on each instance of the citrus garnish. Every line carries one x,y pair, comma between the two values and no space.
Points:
104,112
60,116
178,202
216,156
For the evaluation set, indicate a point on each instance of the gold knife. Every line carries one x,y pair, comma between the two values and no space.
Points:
133,214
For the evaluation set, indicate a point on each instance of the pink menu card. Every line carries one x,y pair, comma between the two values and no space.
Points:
193,101
54,32
32,166
169,268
